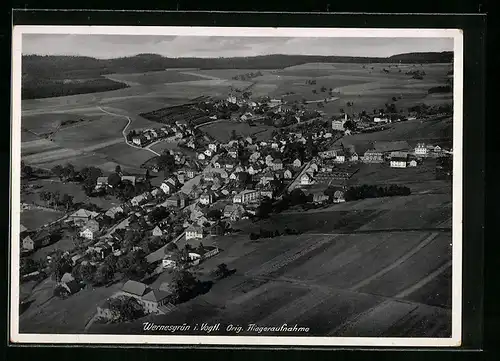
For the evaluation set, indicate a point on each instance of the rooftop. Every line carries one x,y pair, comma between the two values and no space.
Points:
134,287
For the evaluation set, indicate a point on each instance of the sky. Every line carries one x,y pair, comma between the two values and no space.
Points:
114,46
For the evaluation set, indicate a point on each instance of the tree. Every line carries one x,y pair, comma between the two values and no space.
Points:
234,136
350,125
86,273
114,180
118,169
214,214
126,308
297,197
67,201
60,265
103,274
184,285
222,270
58,171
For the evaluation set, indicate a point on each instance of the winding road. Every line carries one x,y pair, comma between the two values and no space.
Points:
125,129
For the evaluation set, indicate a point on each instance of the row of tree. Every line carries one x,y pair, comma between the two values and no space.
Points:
373,191
55,199
263,233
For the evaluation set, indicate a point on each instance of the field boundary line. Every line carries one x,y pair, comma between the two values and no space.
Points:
424,281
396,263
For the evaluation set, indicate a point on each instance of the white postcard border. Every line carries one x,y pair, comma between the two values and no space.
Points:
454,340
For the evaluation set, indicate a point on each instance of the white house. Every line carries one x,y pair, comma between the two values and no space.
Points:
194,232
306,179
90,229
398,162
201,156
340,158
297,163
421,149
380,120
246,196
208,152
167,188
207,198
287,174
412,163
157,231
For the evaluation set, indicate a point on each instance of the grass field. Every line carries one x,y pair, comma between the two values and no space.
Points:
222,130
152,77
64,316
73,189
34,218
124,154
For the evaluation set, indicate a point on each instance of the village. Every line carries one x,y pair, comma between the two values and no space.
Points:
173,223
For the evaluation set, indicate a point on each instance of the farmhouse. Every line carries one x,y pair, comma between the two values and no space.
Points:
234,211
277,164
398,162
373,156
134,289
306,179
155,300
194,232
129,178
246,196
28,244
297,163
82,216
421,149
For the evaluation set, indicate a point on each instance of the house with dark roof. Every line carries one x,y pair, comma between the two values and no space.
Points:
134,289
82,216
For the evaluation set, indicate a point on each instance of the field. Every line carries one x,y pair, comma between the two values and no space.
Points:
58,315
153,77
222,130
350,273
73,189
34,218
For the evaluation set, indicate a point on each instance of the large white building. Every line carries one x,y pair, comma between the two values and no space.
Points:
398,162
421,149
246,196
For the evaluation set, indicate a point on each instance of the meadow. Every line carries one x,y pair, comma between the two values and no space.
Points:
222,131
152,77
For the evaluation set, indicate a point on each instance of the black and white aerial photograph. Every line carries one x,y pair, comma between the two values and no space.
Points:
290,188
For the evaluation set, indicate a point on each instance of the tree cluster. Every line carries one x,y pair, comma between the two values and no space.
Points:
373,191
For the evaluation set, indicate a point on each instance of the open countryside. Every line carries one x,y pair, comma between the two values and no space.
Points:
315,193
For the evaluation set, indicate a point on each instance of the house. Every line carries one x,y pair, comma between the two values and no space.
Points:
177,200
319,197
277,164
327,154
313,167
112,212
274,145
287,174
246,116
249,140
239,169
82,216
306,179
190,172
246,196
22,229
267,192
77,258
234,211
167,188
254,157
413,163
233,176
297,163
134,289
129,178
201,156
42,238
90,229
380,119
218,229
207,198
213,147
233,152
338,124
269,160
209,176
155,299
354,157
398,162
140,199
208,152
101,182
266,178
28,244
254,169
223,174
338,196
373,156
421,149
209,251
194,232
340,157
168,261
157,232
